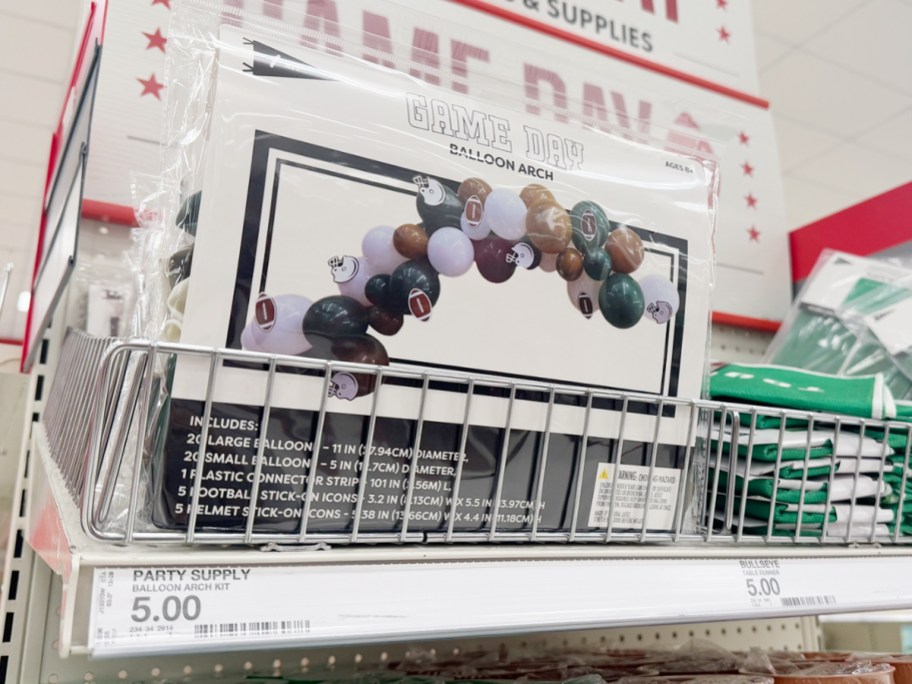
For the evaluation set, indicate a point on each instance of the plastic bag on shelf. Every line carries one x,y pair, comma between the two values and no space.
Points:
829,327
699,679
536,243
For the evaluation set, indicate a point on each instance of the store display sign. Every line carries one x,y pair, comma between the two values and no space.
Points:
711,40
301,197
554,78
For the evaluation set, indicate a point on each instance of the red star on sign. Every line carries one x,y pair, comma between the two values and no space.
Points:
721,4
151,87
724,35
743,137
166,3
751,201
754,234
748,169
156,40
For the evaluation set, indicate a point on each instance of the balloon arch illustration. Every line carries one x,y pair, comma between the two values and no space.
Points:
496,230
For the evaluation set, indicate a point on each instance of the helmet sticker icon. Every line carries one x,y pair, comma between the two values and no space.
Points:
431,190
521,255
660,311
343,386
343,268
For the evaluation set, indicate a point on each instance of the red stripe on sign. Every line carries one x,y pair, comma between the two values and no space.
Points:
108,213
865,228
569,37
759,324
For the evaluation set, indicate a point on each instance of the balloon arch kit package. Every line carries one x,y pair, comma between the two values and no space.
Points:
348,212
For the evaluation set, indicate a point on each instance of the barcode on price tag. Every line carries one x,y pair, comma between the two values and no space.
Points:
820,600
170,607
245,629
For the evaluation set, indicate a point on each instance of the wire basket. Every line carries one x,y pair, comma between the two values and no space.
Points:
669,471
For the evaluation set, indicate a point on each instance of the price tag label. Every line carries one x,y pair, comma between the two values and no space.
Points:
184,608
778,583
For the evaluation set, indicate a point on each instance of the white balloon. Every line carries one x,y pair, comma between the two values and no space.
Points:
583,294
377,246
354,287
548,263
505,214
477,232
248,341
661,297
286,335
450,252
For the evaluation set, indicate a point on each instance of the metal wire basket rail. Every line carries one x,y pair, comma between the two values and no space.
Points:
591,465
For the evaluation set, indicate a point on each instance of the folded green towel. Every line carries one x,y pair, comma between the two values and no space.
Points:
768,452
819,467
905,527
837,530
782,513
844,488
864,396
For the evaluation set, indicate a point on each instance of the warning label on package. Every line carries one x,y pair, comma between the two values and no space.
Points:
629,497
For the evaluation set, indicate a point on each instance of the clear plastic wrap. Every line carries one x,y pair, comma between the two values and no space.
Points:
699,679
818,672
332,207
841,322
103,295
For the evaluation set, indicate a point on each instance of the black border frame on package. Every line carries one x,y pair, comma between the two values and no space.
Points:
266,143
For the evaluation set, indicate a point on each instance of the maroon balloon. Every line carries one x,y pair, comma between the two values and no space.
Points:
491,259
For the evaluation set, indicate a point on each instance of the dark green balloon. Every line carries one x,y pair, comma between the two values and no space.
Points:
335,316
188,215
417,274
438,206
597,264
621,300
377,290
590,226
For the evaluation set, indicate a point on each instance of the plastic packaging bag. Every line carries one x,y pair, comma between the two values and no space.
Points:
830,327
333,208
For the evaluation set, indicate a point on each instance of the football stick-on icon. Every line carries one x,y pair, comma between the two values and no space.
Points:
660,311
588,225
585,304
343,268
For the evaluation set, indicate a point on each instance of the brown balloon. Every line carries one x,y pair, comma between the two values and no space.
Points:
625,249
548,226
410,241
473,186
535,193
384,322
361,349
570,264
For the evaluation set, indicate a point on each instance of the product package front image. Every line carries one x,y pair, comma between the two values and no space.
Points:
347,212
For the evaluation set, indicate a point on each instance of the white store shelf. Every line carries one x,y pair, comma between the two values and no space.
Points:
420,593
